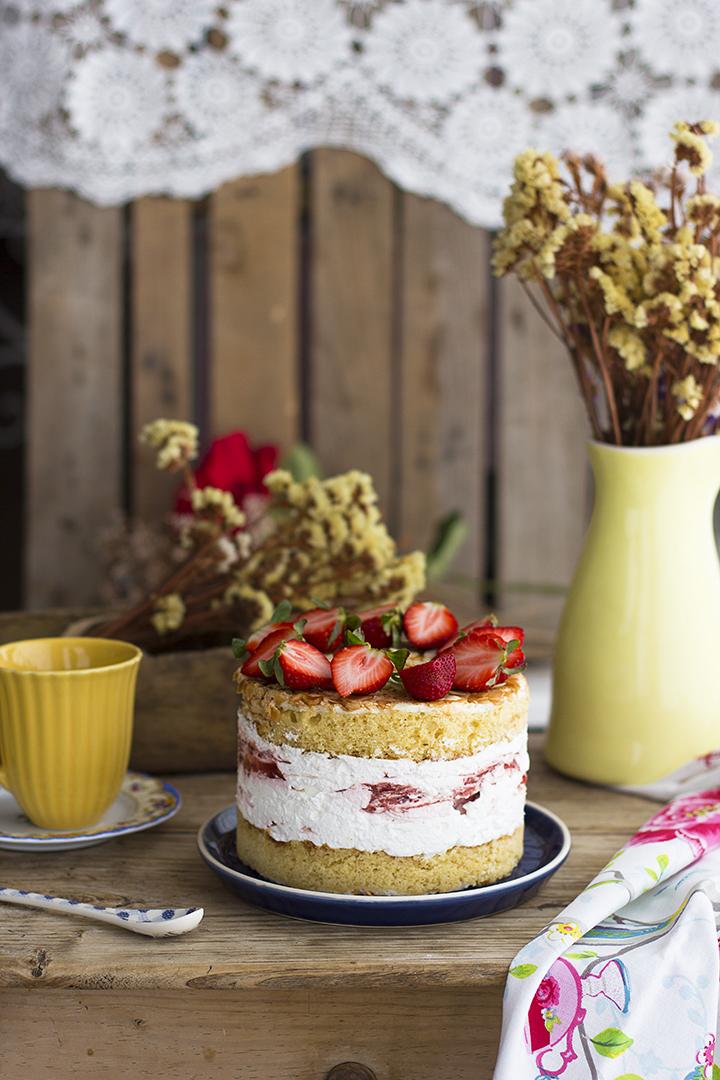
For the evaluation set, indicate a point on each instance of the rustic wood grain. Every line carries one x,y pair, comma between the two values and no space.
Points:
75,403
543,480
268,1035
351,317
253,307
444,345
240,947
161,378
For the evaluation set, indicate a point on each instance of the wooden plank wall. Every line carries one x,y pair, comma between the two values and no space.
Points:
318,303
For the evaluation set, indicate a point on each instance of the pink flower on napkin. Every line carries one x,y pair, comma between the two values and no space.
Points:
693,818
548,992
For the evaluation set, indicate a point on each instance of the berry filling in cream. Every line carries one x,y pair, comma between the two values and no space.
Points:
401,807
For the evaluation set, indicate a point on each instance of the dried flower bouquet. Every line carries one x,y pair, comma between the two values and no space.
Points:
629,275
317,540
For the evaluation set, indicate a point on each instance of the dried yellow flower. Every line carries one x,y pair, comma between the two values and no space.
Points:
169,612
175,441
630,346
220,505
688,395
260,604
691,147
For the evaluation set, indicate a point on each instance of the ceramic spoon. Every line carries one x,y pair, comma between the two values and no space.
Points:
153,922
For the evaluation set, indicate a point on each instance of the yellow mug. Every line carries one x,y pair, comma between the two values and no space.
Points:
66,717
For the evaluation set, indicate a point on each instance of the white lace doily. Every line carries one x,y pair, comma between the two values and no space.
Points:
120,98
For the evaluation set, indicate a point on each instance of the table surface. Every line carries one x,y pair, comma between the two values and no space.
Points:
238,946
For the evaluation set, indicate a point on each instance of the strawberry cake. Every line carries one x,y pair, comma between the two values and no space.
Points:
381,752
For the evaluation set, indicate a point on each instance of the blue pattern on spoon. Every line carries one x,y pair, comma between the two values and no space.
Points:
152,922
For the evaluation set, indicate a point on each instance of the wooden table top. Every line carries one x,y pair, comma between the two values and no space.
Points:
237,946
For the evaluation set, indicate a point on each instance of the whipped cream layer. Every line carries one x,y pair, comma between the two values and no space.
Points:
401,807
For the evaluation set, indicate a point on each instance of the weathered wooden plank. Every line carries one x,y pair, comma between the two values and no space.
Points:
253,307
75,406
351,323
543,480
435,1034
161,377
240,947
444,358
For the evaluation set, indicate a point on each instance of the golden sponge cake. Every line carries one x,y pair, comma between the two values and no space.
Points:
381,794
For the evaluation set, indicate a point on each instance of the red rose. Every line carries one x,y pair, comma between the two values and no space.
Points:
548,992
232,465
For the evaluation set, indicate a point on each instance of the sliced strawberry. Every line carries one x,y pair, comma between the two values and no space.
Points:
324,628
259,635
430,681
482,660
303,666
360,669
377,625
428,625
266,650
507,633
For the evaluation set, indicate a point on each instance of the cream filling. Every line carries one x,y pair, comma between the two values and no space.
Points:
401,807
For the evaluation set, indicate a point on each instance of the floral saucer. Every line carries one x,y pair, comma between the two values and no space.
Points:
143,802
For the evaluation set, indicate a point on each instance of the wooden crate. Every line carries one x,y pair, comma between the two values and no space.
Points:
320,303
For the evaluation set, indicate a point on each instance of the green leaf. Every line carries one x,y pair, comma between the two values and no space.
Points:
239,648
355,637
267,667
337,628
277,667
391,623
636,1076
715,1073
612,1042
584,954
522,971
450,534
651,873
398,657
352,622
282,612
299,626
301,462
663,862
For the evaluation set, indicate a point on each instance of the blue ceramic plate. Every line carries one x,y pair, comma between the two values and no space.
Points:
547,845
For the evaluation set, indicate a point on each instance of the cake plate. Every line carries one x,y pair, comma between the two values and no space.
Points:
547,845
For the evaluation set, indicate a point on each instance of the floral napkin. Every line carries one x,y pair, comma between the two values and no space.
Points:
623,984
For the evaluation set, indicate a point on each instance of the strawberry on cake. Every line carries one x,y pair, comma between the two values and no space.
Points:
381,752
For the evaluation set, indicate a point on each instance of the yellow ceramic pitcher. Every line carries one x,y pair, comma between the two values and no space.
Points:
636,682
66,715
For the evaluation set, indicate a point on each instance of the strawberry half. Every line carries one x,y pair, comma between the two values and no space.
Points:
483,659
259,636
266,650
360,669
303,666
507,633
324,628
377,625
428,625
430,681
